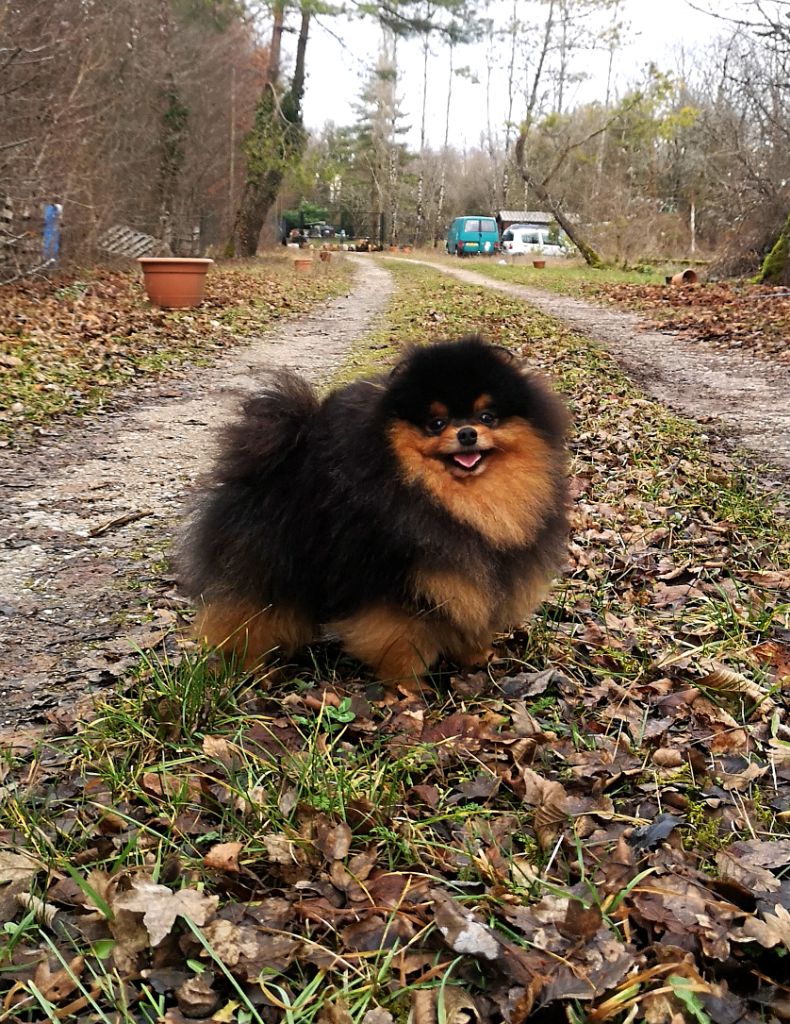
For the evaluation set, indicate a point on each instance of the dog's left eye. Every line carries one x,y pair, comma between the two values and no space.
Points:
435,426
488,419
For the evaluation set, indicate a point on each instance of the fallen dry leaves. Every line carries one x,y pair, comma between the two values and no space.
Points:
725,315
65,345
543,867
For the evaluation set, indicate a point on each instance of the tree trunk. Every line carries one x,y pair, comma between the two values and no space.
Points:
540,190
275,142
492,144
693,227
776,265
172,136
420,211
563,71
607,100
438,226
514,24
275,47
256,201
532,102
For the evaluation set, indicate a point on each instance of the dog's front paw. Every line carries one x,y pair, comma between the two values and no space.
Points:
476,659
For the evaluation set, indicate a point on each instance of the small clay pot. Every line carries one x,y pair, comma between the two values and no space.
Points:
325,255
174,282
303,265
538,264
685,277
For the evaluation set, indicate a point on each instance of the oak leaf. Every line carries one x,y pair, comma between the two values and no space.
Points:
160,906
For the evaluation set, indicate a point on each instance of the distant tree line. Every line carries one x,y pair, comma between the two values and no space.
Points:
183,119
691,160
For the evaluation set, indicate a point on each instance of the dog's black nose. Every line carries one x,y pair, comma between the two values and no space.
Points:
467,436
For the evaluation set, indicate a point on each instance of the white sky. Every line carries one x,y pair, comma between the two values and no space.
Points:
660,31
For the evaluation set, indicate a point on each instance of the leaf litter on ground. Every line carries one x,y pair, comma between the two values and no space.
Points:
68,344
593,828
728,315
722,314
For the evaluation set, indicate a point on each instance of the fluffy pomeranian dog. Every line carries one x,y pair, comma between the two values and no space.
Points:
411,516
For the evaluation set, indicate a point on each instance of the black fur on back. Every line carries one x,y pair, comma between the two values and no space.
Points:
306,506
271,424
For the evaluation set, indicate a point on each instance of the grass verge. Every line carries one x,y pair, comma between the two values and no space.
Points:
562,276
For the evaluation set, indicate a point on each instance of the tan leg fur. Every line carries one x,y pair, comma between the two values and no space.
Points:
395,644
252,633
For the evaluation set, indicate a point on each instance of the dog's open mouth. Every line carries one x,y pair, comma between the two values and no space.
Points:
465,463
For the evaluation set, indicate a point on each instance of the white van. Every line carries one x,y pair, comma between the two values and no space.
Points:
531,238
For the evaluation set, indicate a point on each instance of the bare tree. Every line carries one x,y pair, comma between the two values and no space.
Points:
745,134
115,112
567,28
277,138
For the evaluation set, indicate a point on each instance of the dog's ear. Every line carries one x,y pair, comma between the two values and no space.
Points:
403,362
506,355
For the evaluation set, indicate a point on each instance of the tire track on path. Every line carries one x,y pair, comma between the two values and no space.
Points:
87,517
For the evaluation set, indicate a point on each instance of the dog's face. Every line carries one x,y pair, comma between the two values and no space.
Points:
464,406
482,438
461,434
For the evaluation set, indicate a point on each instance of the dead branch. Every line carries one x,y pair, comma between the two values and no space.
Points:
16,143
29,272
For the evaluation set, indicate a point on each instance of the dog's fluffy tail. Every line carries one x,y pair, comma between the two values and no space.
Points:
270,427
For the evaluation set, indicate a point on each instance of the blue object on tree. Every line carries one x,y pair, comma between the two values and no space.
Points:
52,212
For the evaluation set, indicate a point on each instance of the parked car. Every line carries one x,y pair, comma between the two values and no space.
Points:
473,234
521,238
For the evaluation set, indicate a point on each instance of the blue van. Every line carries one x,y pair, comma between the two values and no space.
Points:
473,234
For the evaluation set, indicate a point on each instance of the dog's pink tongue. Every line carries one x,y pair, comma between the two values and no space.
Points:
469,460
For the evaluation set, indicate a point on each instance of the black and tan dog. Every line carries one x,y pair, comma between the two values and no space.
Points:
410,516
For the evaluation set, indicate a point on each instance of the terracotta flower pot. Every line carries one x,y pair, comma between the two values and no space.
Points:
684,277
174,282
303,265
538,264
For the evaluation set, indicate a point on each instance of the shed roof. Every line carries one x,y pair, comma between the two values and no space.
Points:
525,216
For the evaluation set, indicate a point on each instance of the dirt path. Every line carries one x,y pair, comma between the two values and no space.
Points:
744,398
87,520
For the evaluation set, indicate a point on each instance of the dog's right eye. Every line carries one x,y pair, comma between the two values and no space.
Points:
435,426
